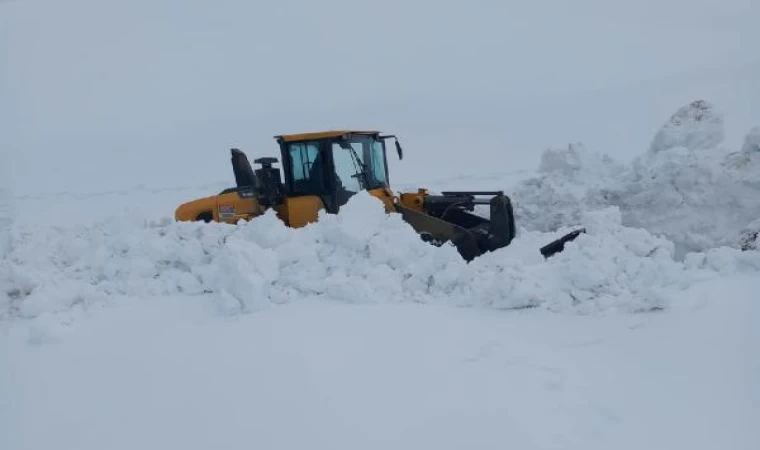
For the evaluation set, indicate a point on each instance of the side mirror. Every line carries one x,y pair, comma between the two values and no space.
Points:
399,150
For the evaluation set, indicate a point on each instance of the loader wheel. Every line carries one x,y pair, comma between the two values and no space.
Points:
205,216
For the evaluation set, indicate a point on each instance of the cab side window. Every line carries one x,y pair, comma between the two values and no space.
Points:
307,167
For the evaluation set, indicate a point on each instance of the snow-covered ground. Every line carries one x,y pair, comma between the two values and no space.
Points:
122,329
167,372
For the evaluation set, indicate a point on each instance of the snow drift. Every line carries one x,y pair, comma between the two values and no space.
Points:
5,221
6,214
750,238
697,126
362,255
685,187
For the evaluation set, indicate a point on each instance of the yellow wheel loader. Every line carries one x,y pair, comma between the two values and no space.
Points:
323,170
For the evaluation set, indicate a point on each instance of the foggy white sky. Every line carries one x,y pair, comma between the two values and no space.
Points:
99,94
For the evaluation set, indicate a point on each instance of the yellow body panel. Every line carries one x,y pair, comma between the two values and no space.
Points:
320,135
297,212
192,211
414,200
232,208
386,196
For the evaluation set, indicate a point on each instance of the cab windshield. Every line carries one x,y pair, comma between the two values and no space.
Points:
359,163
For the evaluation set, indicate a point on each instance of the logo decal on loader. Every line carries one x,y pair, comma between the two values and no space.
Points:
226,211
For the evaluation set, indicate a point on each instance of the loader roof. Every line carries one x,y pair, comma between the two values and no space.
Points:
320,135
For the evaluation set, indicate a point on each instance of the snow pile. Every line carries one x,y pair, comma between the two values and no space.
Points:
724,260
696,126
686,187
5,224
752,141
361,255
6,213
750,238
569,182
746,163
690,197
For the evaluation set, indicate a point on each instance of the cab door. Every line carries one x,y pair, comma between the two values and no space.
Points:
306,175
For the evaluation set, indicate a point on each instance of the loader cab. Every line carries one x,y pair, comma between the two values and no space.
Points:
334,165
320,171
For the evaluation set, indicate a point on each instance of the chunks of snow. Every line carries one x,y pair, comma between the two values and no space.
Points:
745,164
361,255
569,182
750,238
610,267
691,197
752,141
6,217
695,126
686,189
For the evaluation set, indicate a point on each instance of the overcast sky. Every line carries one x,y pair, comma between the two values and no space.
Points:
100,93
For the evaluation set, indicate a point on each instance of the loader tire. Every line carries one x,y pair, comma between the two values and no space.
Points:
205,217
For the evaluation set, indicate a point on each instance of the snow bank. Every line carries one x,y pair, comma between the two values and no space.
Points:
5,222
752,141
569,182
686,187
696,126
362,255
6,213
750,237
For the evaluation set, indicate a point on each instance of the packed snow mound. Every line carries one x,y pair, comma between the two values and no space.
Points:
752,141
6,216
362,255
745,164
6,202
750,238
569,182
697,195
691,197
695,126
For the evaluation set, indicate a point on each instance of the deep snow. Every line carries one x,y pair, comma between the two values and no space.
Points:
166,372
686,187
750,239
122,329
350,257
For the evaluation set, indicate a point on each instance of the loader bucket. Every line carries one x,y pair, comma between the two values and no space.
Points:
448,221
438,232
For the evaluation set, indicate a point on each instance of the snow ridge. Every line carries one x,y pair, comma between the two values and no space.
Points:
362,255
697,126
686,187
